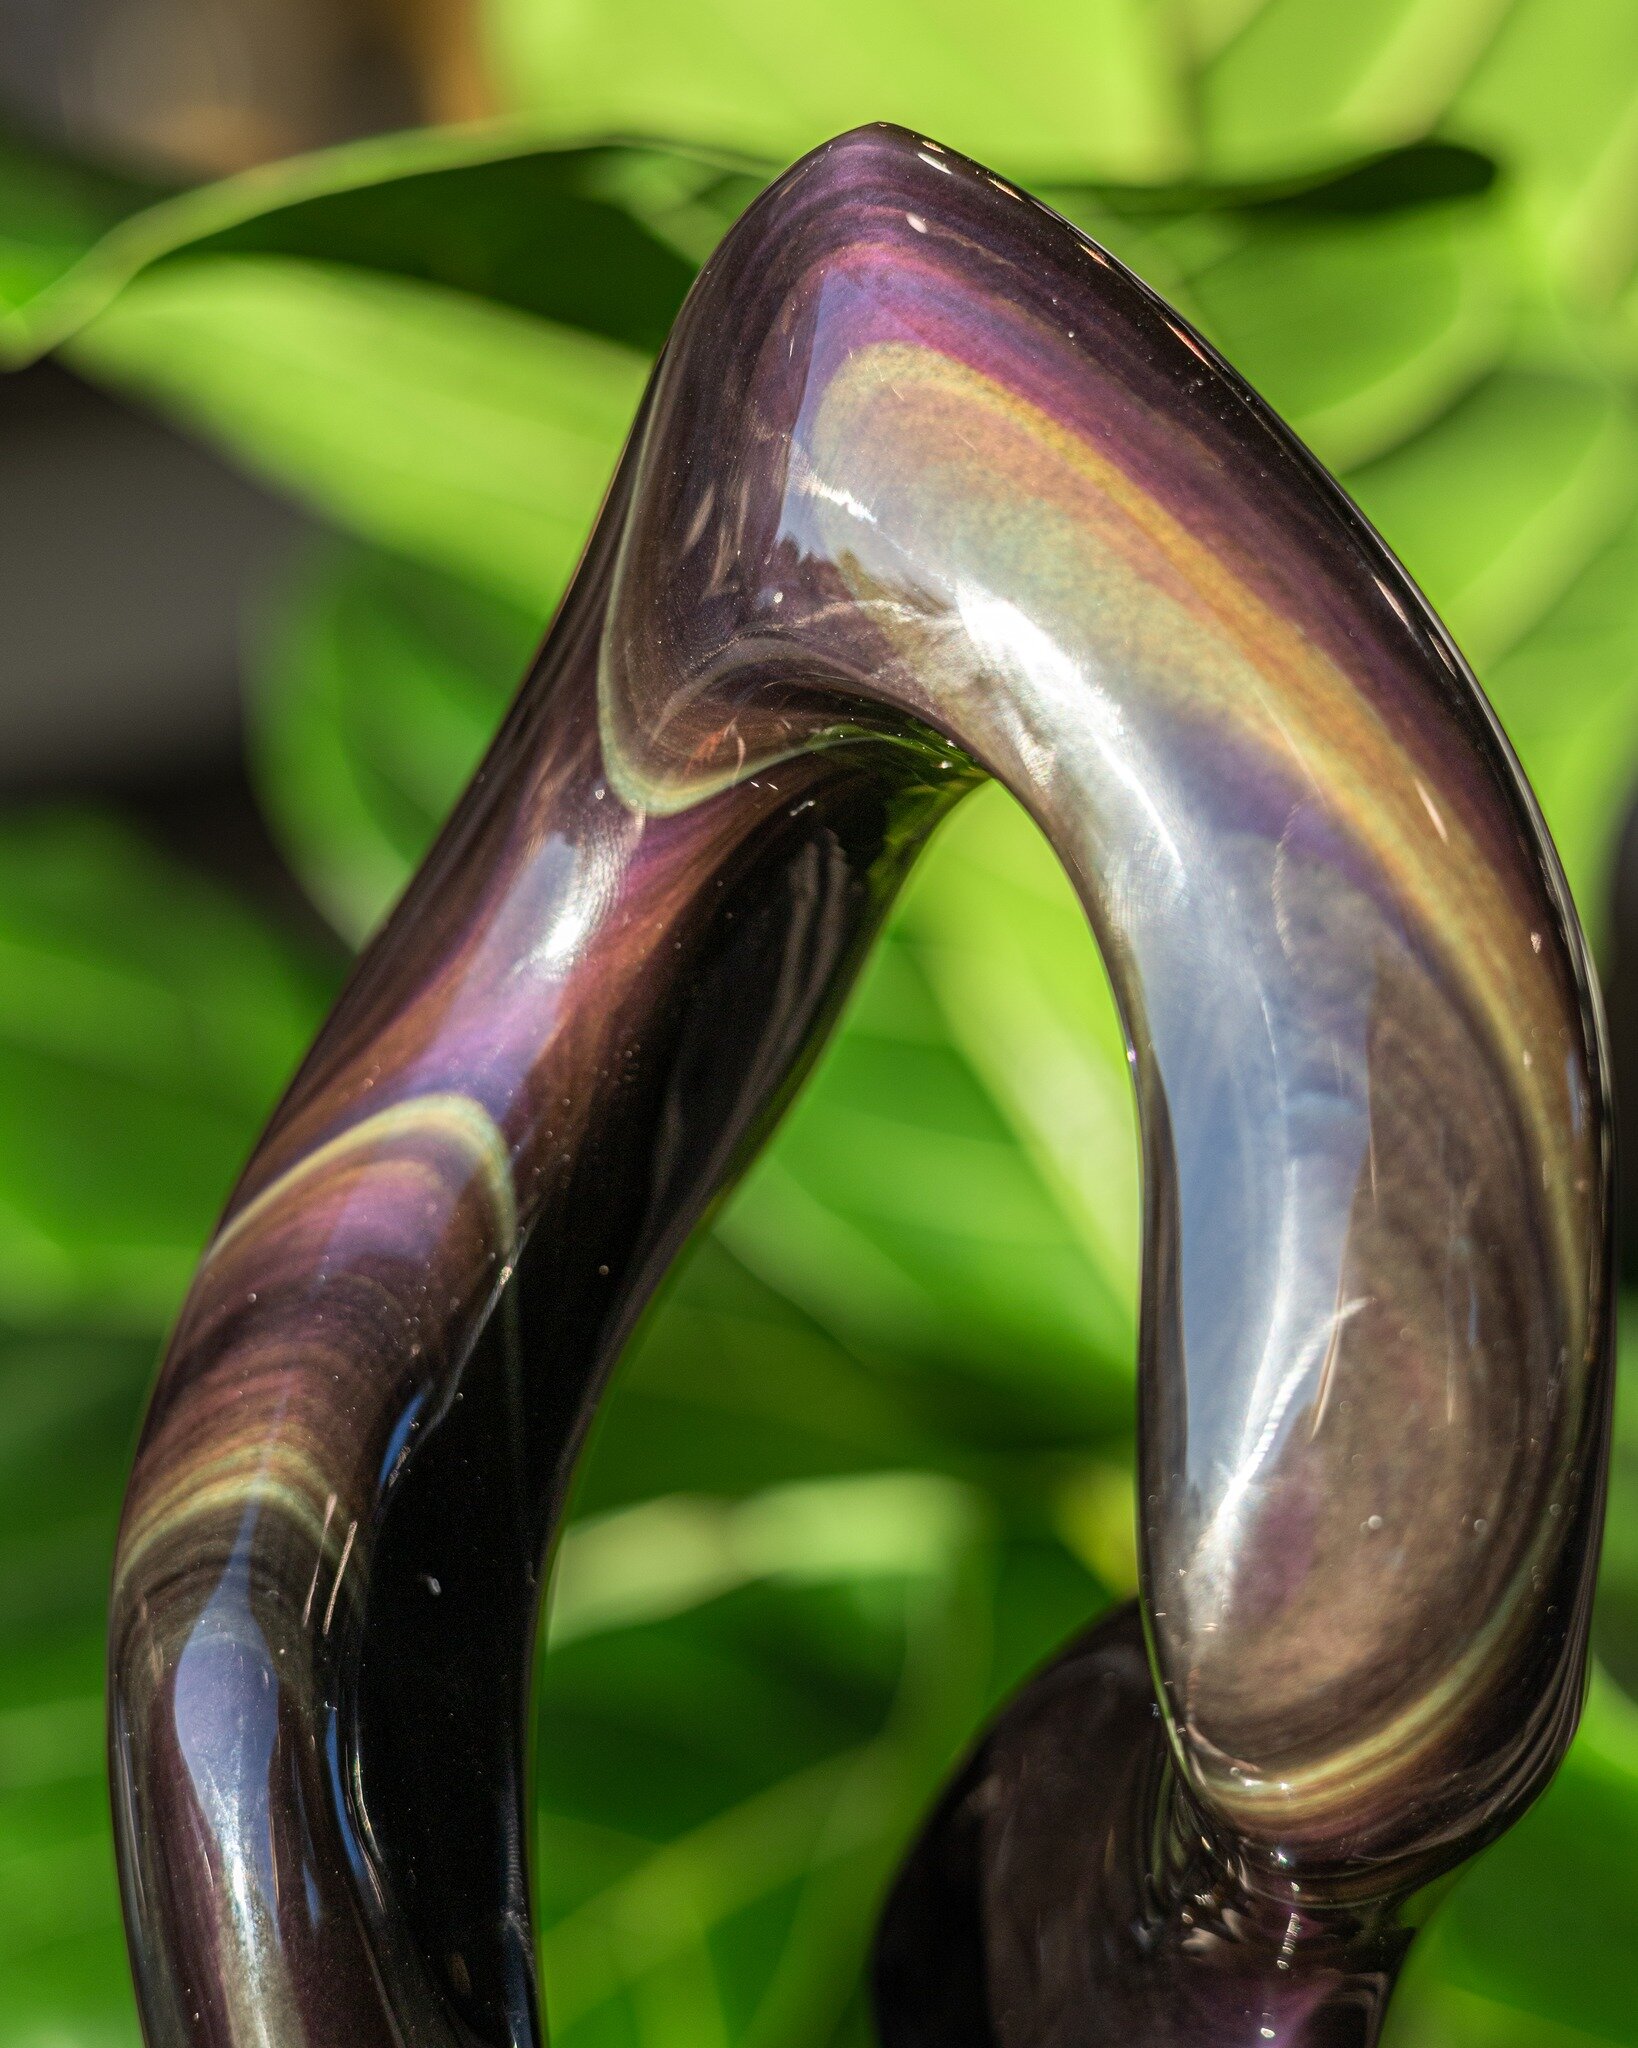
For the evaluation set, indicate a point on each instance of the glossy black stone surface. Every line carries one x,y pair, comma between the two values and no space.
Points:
925,486
1065,1893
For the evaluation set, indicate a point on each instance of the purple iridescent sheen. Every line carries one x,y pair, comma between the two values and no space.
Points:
925,486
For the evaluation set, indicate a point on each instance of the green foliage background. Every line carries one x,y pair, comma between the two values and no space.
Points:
870,1458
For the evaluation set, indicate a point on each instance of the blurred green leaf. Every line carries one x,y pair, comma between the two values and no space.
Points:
1568,696
1615,1614
605,239
1500,504
77,236
52,213
1090,89
605,236
1361,330
1232,91
771,1748
68,1411
1005,946
697,1407
1429,2012
1555,97
899,1208
673,1552
731,1768
377,687
1303,83
147,1022
427,419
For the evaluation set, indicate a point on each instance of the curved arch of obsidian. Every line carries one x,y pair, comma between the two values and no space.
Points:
925,485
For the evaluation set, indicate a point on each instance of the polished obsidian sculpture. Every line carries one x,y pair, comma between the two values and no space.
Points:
925,486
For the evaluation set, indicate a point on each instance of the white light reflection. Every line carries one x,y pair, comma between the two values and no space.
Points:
225,1712
1064,701
574,919
804,481
1029,642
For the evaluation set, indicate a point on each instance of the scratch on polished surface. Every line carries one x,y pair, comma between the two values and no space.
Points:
925,486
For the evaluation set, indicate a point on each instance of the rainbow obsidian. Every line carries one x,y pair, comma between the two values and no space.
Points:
925,486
